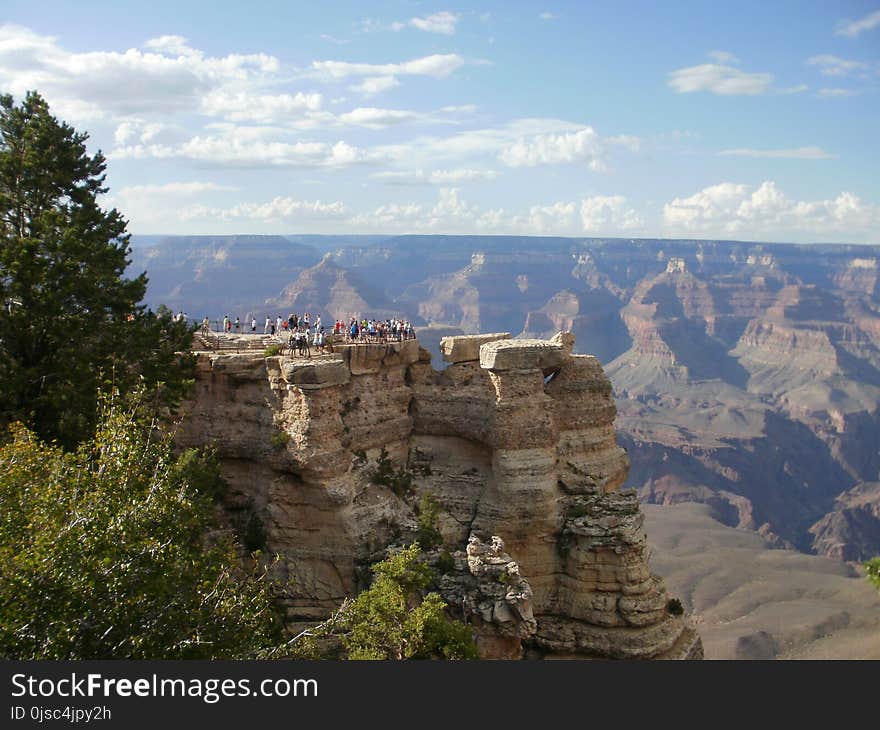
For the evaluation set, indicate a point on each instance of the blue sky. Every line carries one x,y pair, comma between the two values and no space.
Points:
749,120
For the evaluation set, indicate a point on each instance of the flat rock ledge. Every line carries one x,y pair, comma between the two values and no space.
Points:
466,348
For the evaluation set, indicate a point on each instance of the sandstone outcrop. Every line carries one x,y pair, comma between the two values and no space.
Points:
514,441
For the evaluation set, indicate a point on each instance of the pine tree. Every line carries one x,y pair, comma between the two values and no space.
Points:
70,318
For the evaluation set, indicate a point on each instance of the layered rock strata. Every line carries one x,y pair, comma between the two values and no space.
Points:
515,441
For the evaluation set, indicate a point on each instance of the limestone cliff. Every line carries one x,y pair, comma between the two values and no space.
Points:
514,439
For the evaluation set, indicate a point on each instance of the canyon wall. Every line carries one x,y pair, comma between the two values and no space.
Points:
515,441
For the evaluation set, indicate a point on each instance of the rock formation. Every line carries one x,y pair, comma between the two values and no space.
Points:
514,440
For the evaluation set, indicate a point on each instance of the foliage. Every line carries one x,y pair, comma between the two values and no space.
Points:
445,562
273,350
69,319
400,481
428,536
674,607
872,569
279,439
391,620
103,551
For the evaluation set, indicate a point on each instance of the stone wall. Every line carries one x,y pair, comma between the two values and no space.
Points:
514,439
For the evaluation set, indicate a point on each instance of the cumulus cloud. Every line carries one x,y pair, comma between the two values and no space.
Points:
721,79
829,65
549,149
450,214
730,209
373,85
166,77
852,28
243,106
443,23
170,45
608,213
583,145
797,153
454,214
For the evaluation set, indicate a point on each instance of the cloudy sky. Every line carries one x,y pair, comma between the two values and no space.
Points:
746,120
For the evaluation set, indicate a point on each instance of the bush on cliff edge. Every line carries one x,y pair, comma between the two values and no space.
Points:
112,551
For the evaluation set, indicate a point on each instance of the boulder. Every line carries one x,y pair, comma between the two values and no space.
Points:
522,355
464,348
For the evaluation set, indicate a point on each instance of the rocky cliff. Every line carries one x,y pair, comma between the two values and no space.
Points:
514,440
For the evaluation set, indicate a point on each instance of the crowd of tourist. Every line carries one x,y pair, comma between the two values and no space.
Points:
305,333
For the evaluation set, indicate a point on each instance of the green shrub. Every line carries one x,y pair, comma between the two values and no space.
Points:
273,350
428,536
674,607
103,552
872,570
279,439
394,620
445,562
400,481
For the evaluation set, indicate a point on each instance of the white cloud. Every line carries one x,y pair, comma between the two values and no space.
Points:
730,209
796,153
719,79
167,77
835,66
281,209
450,214
436,65
152,206
852,28
373,85
453,214
436,177
461,109
558,217
723,57
243,106
334,39
583,145
377,118
547,16
232,146
608,213
172,188
443,23
170,45
836,92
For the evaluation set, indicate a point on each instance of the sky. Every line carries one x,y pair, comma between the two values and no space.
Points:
747,120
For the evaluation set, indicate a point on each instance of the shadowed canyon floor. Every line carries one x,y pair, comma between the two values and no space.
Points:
754,602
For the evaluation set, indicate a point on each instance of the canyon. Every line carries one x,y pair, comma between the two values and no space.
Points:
746,375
